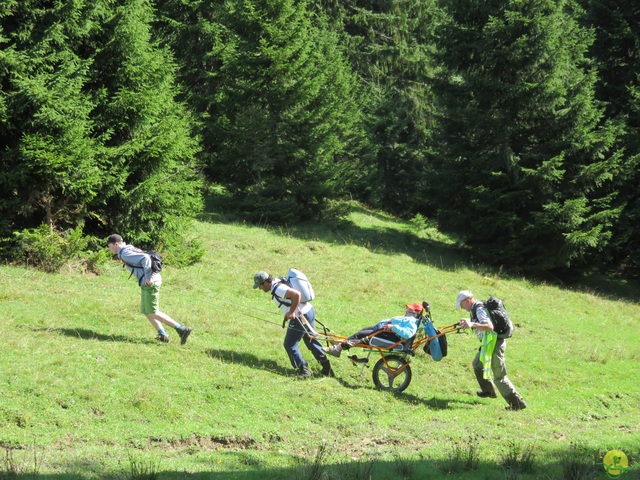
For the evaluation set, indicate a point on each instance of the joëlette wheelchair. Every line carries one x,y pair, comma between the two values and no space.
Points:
392,371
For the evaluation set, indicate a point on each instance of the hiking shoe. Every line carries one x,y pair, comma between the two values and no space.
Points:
333,351
163,337
327,371
184,333
483,394
519,405
304,372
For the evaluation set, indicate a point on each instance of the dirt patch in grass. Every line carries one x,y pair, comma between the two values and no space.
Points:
355,448
369,446
207,443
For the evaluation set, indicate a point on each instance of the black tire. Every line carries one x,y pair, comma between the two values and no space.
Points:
384,377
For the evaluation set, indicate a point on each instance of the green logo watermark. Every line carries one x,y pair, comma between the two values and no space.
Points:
615,463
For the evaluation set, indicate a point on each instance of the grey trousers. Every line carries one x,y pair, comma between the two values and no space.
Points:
499,369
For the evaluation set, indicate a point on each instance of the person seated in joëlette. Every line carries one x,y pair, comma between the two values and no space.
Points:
394,329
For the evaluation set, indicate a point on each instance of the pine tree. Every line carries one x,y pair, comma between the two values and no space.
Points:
49,152
194,32
278,103
616,50
390,44
92,135
150,150
624,250
523,163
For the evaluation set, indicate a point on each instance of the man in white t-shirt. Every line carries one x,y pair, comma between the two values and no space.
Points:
301,318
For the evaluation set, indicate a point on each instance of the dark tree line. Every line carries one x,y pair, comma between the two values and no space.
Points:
513,123
523,145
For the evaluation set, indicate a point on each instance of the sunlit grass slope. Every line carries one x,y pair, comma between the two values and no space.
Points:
84,384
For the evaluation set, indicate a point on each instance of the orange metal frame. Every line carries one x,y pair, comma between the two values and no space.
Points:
418,341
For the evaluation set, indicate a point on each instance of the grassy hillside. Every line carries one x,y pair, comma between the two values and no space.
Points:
88,393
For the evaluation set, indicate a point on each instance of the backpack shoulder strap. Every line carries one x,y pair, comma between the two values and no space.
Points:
474,310
281,300
137,250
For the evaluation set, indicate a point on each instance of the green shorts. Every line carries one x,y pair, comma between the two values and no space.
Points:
150,299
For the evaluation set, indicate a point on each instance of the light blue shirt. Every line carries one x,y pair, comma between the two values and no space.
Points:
139,264
404,327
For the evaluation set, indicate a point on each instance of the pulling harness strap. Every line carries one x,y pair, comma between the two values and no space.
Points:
307,326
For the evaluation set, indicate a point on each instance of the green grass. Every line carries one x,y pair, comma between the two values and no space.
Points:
85,391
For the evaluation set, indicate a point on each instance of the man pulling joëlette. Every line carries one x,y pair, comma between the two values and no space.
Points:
490,361
139,264
301,317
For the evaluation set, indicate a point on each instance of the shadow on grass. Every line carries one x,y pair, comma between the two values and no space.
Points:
446,256
451,257
84,334
364,382
439,254
248,360
435,403
460,464
252,361
387,240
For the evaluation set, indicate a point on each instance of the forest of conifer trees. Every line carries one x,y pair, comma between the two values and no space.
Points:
513,124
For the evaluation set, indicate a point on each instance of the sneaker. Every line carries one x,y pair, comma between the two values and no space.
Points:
333,351
304,372
184,333
163,337
483,394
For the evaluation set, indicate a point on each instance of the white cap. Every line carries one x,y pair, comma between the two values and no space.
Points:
463,295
